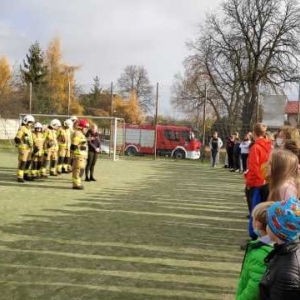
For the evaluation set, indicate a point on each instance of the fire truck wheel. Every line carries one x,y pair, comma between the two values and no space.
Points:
131,151
179,154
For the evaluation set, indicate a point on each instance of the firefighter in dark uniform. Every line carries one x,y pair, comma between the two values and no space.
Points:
24,143
79,150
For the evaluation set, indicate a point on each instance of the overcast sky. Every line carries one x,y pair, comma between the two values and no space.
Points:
104,36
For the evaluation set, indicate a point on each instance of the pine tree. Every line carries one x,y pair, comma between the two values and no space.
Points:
95,93
34,71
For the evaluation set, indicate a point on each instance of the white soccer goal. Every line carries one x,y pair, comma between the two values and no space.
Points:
8,129
111,130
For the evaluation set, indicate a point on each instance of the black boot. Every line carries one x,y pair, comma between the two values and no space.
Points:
28,178
87,179
92,175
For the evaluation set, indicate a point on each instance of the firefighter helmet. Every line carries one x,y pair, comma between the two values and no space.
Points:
55,123
28,119
73,118
68,123
83,123
38,125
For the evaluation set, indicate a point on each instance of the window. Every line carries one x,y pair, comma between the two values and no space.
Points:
169,134
185,135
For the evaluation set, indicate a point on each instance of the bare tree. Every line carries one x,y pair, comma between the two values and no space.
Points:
250,43
135,78
188,95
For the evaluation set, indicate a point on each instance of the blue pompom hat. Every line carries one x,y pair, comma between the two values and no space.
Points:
283,218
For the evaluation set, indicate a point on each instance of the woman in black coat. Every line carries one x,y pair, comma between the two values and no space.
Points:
94,148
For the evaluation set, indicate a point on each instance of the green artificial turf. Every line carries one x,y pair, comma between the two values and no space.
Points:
146,229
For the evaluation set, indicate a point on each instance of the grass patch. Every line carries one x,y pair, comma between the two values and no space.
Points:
146,229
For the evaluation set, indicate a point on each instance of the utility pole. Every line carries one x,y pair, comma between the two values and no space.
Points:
155,120
69,98
204,115
30,97
111,99
111,115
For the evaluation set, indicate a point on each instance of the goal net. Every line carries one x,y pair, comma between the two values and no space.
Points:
111,131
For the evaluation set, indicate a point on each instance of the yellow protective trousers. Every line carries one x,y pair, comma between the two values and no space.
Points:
37,163
78,167
24,159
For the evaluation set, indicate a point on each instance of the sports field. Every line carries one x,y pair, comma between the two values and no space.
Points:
146,229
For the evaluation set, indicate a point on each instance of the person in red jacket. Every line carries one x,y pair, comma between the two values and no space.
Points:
258,155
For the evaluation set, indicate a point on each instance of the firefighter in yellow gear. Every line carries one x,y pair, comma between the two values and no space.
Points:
79,148
64,144
38,150
74,119
50,148
24,142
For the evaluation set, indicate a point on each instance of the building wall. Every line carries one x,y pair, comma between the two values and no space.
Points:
274,110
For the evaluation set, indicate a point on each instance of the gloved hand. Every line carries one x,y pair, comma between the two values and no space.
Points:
35,149
50,144
97,149
27,140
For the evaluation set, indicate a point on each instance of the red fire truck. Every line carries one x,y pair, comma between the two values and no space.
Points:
175,141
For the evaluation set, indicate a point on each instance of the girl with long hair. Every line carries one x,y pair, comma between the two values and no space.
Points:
283,174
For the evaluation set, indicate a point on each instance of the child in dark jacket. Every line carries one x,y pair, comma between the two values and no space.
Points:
282,277
229,150
236,155
254,265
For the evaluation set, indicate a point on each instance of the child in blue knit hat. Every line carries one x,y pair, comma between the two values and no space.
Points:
282,278
254,266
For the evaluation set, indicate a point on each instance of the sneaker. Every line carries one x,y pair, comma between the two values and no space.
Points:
80,187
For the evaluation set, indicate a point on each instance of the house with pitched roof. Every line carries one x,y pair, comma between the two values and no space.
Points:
292,111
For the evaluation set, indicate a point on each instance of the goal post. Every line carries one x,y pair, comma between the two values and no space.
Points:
111,130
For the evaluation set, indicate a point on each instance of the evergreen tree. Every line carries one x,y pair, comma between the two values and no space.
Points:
95,93
34,70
